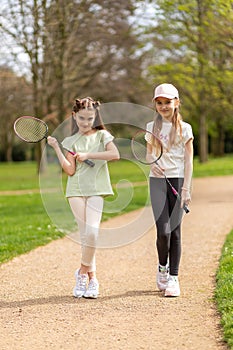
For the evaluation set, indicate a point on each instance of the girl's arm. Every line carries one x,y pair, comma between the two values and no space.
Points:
188,171
111,153
68,163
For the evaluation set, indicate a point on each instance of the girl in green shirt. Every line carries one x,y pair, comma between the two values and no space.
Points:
86,186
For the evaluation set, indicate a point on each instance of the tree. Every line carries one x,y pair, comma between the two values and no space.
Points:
73,48
15,98
97,56
221,121
190,36
22,21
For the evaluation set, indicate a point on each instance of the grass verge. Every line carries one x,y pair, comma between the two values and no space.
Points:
214,167
224,289
24,225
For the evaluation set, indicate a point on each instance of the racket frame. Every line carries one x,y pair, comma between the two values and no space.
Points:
87,161
39,121
142,131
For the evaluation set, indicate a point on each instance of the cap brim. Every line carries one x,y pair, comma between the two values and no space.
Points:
170,97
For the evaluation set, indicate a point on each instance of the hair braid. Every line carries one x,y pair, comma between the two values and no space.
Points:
87,103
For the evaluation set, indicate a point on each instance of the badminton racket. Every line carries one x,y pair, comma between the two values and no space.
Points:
139,145
33,130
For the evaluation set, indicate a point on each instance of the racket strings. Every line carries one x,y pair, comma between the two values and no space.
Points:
139,146
31,130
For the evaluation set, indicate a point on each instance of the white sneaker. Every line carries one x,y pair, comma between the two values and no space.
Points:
92,289
80,288
173,287
162,277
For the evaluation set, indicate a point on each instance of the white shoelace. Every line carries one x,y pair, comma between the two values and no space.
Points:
81,282
93,285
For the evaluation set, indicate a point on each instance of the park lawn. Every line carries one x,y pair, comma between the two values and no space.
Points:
24,175
214,167
18,176
224,289
24,225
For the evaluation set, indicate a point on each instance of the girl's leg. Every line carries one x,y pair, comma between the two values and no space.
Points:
87,212
160,207
173,287
78,207
175,251
94,209
175,226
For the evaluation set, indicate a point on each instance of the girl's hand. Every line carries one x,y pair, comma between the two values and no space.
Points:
52,141
81,156
157,170
185,197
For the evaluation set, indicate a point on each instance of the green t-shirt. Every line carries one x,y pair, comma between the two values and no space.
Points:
89,181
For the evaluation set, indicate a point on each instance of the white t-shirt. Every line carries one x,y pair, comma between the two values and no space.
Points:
172,159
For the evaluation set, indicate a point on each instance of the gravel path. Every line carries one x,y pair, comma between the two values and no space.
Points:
37,310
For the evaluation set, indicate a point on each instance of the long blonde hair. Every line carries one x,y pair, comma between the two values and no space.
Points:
175,130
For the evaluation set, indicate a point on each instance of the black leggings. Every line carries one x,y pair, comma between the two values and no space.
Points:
168,216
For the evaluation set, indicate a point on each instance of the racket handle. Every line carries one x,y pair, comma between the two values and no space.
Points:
186,209
89,162
175,192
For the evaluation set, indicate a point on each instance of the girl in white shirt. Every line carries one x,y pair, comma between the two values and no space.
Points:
177,164
87,186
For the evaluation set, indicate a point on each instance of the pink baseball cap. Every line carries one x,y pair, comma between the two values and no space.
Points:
167,91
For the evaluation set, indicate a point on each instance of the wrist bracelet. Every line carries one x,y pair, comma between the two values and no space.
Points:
184,188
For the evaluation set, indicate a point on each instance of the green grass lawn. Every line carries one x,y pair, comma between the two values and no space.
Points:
23,176
224,289
25,224
18,176
214,167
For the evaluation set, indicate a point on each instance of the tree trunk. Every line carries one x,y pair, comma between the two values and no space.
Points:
201,56
203,139
218,142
